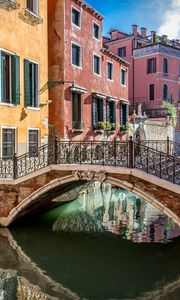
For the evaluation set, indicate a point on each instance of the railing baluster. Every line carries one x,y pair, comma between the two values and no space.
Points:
14,166
160,167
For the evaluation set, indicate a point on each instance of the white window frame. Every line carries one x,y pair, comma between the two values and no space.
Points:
38,84
149,91
163,91
15,138
36,12
80,17
108,61
76,44
99,35
125,70
37,129
95,54
1,102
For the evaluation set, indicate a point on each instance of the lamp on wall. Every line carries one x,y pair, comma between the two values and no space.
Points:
53,83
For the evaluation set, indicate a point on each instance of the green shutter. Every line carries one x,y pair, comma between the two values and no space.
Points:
15,73
27,95
3,77
95,113
114,112
108,119
101,119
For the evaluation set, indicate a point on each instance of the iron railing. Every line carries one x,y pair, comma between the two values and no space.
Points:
167,146
128,154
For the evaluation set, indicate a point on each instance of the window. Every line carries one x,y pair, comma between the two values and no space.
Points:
179,119
76,55
165,66
123,77
97,64
31,83
32,5
9,78
75,17
8,142
151,92
165,92
97,113
76,111
33,140
151,65
122,52
111,113
124,114
96,31
109,71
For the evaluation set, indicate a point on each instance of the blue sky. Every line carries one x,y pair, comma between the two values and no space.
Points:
162,16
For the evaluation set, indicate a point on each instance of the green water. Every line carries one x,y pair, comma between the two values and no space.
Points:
106,245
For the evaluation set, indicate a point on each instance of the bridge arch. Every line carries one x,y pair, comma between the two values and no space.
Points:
48,191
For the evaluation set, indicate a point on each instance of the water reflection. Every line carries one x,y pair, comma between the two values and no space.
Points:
101,207
107,244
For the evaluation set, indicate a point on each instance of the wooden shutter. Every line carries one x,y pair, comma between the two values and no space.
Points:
94,113
108,119
3,77
101,119
114,112
27,95
15,74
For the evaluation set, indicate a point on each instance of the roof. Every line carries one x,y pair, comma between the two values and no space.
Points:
90,8
113,55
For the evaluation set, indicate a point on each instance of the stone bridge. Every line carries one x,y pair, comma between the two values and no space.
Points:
36,192
31,182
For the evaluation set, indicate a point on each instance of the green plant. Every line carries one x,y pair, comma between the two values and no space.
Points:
100,125
171,111
110,126
128,128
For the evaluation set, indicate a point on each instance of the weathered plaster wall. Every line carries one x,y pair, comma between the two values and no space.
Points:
28,42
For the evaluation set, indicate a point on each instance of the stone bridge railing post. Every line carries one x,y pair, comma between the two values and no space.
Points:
15,166
168,146
131,152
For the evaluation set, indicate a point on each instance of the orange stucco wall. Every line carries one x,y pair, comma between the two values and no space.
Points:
28,42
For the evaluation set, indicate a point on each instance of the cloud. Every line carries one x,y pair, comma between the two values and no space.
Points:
171,21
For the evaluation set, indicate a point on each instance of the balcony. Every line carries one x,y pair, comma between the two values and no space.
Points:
30,17
9,4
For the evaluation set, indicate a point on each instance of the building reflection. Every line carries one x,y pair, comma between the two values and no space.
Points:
123,213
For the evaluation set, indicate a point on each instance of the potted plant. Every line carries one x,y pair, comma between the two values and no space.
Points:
171,111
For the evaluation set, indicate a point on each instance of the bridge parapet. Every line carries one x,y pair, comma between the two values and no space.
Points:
115,153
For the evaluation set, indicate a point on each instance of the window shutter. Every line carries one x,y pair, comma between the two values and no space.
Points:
15,73
27,83
101,119
95,113
3,77
108,111
114,113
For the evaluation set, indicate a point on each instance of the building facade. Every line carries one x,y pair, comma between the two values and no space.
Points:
154,72
23,70
90,102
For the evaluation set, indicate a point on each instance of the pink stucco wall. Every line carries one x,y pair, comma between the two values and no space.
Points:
84,76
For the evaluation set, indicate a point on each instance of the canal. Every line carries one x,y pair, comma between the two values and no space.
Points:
107,244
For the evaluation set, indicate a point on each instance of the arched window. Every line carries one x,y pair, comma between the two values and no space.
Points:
165,65
165,92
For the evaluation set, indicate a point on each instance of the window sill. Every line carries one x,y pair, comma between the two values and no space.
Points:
77,130
100,131
75,66
99,75
33,108
8,104
30,17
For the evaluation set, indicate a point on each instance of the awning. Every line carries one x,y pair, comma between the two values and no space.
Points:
109,98
99,95
124,101
78,89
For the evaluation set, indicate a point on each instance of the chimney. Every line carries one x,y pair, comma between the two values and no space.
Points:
114,34
134,29
153,34
164,38
143,32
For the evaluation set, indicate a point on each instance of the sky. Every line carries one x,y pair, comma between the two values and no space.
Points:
163,16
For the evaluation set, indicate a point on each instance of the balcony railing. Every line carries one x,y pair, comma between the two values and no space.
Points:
9,4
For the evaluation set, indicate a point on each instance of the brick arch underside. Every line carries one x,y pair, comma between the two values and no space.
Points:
42,198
